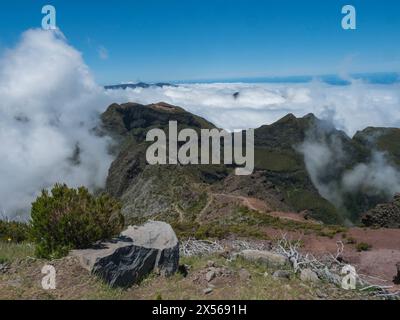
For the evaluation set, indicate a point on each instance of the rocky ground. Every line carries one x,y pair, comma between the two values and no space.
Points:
205,277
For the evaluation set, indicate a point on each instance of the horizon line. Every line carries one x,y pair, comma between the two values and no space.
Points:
380,77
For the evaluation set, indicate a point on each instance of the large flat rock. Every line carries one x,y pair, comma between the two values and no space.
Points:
132,256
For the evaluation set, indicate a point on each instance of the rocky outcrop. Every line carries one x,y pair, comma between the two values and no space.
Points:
136,253
384,215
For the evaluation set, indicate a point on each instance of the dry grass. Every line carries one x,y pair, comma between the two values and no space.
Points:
23,281
10,252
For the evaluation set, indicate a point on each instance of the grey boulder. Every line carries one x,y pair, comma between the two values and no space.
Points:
281,274
132,256
307,275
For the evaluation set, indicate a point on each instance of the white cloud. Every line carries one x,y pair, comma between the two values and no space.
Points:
350,108
103,53
377,177
49,102
378,174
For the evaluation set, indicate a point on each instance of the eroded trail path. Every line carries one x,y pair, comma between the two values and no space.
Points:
253,204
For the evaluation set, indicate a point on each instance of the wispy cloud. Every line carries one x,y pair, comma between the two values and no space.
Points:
103,53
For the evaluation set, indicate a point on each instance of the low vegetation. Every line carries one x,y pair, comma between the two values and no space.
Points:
362,246
247,223
66,219
10,252
15,232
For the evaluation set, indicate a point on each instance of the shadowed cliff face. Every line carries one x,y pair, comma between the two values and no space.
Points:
301,165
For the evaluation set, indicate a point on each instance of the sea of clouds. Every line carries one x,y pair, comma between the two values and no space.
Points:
50,104
349,108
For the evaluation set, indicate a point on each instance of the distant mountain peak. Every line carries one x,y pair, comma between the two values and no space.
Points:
142,85
288,118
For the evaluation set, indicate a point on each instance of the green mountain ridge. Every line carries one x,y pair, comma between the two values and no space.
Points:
281,177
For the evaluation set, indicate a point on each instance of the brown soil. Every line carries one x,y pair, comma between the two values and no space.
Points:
379,262
164,106
290,216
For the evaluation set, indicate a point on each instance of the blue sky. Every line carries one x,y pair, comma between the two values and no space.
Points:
170,40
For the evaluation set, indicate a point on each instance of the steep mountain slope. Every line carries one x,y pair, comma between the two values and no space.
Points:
383,139
386,140
154,191
278,152
284,179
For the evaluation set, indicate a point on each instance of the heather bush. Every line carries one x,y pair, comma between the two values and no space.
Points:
12,231
65,219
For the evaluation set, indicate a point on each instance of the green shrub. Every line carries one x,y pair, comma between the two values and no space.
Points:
362,246
159,296
66,219
351,240
12,231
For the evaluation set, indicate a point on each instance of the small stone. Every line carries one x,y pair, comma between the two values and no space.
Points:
3,268
16,283
226,254
210,264
210,275
320,294
307,275
219,272
396,279
207,291
244,275
183,269
281,274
